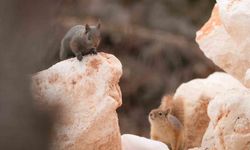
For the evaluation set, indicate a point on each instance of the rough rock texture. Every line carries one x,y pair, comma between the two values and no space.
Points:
247,79
229,127
133,142
86,94
195,96
225,40
225,37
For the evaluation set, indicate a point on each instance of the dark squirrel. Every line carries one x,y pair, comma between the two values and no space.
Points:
79,41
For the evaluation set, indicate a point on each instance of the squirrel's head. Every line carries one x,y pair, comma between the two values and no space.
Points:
158,115
93,35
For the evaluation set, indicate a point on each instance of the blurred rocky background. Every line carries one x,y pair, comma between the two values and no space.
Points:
154,40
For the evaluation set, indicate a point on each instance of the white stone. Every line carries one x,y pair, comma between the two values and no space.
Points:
225,37
229,127
133,142
195,96
86,94
247,79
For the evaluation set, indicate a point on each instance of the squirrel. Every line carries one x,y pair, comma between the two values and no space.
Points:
166,128
79,41
174,105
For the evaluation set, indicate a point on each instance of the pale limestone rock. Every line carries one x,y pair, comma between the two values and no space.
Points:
225,40
229,128
87,95
225,37
195,96
247,79
196,148
133,142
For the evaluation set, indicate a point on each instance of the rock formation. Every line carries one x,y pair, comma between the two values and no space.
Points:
229,126
86,94
195,97
225,37
225,40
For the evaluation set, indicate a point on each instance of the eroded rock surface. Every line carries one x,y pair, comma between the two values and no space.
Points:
225,37
86,94
195,96
229,127
225,40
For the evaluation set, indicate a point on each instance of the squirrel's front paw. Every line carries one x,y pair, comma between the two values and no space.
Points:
79,57
93,51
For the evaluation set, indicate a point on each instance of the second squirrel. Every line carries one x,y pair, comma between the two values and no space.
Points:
79,41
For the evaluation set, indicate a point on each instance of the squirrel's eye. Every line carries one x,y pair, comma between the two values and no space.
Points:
160,114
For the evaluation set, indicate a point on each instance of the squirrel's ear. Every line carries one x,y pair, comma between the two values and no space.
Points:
99,24
87,28
168,111
166,102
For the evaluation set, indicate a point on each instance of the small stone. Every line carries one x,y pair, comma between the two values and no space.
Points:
133,142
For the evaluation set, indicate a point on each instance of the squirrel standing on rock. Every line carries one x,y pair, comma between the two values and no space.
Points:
79,41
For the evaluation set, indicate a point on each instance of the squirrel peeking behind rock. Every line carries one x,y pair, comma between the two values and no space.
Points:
80,40
166,128
174,105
